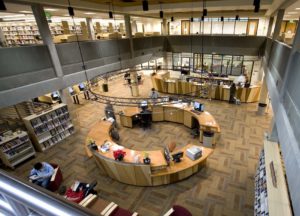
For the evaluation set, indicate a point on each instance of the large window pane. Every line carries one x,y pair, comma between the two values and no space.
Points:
197,62
207,62
237,65
227,62
177,61
228,27
241,27
217,26
207,26
217,64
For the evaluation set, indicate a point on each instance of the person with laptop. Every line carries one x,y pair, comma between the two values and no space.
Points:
41,174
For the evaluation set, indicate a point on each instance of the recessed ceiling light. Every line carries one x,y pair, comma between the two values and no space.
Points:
297,8
24,11
50,9
89,13
292,12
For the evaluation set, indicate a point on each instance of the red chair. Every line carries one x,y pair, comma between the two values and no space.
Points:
178,211
56,178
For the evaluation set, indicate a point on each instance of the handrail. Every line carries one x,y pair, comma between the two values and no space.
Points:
37,198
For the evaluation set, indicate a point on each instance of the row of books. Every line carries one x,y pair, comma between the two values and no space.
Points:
261,193
14,143
14,152
58,137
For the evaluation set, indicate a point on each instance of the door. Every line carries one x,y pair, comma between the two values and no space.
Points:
252,27
185,27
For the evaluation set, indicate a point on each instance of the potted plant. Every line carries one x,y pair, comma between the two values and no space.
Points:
119,155
146,159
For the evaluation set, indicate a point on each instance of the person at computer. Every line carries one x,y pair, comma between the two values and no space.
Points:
41,174
109,111
153,94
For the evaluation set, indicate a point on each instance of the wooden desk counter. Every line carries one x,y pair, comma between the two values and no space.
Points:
163,83
130,172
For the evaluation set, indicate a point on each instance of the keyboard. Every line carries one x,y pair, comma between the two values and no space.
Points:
196,112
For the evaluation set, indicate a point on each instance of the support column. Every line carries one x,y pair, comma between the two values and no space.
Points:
271,20
129,33
134,84
165,61
164,27
277,28
263,98
45,33
90,28
288,71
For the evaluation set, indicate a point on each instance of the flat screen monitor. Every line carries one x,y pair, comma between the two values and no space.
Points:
71,90
55,95
197,106
167,154
202,108
81,86
177,156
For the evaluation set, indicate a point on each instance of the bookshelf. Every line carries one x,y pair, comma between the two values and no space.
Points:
15,148
271,191
49,127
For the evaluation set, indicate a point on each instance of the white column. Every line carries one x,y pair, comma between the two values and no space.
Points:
45,33
279,19
90,28
271,20
164,27
129,33
134,84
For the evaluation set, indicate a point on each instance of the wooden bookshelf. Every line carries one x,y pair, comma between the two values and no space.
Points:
271,191
15,148
49,127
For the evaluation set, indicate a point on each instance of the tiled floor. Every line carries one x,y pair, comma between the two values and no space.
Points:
224,187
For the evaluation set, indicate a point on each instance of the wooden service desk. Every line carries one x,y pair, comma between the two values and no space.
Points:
178,113
132,172
163,83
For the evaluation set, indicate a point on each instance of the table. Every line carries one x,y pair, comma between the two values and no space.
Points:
131,172
178,113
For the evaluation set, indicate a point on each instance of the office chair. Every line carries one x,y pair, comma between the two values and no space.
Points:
145,119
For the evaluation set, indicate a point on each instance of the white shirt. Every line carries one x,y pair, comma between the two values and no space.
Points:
154,94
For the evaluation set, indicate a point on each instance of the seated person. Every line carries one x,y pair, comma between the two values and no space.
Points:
41,174
153,94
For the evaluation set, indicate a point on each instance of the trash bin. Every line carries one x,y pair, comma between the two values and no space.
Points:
105,87
208,137
261,108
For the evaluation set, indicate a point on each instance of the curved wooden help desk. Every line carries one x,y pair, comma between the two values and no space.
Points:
130,172
163,83
179,113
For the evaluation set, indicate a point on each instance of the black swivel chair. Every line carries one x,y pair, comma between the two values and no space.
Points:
145,119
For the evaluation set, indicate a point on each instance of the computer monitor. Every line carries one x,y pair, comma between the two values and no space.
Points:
167,154
202,108
144,104
197,106
81,86
177,156
71,90
55,95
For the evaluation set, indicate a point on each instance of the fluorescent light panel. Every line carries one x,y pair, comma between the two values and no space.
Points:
89,13
50,9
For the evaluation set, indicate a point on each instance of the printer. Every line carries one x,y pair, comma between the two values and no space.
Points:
194,152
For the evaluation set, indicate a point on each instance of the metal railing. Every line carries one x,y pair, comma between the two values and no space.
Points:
19,198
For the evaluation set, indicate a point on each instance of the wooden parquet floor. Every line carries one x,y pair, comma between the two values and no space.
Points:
224,187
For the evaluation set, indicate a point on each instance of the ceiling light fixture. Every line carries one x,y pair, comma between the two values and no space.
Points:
256,4
26,12
145,5
293,12
202,18
237,17
161,13
222,19
172,19
89,13
110,13
2,6
50,9
204,8
70,9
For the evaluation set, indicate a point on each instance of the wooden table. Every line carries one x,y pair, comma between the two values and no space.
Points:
179,113
137,173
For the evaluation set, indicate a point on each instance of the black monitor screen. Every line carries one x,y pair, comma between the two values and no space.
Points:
54,95
197,105
81,86
71,90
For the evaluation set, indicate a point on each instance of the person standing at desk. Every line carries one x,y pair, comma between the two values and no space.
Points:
153,94
232,93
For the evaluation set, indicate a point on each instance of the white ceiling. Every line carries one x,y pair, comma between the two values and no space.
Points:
293,11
